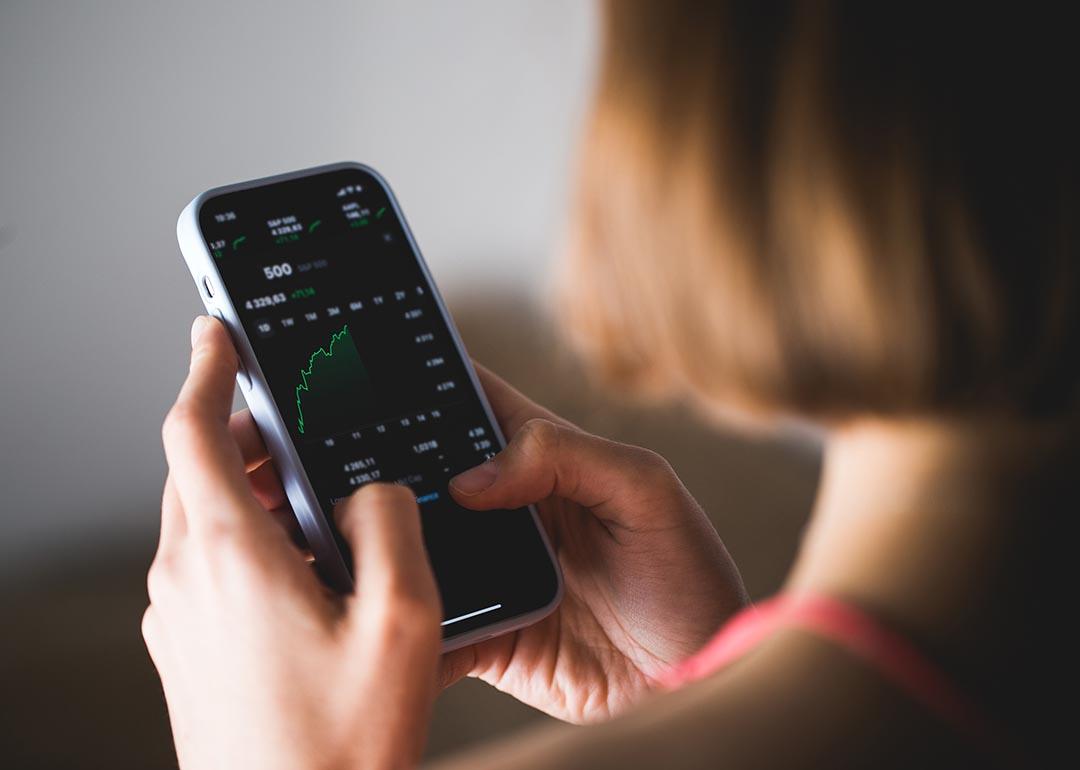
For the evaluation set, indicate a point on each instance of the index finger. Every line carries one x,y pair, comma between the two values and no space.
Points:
203,457
512,408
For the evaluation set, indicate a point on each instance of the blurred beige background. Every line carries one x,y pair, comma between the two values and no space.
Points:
112,116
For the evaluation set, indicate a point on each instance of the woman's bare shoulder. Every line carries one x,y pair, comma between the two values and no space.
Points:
795,702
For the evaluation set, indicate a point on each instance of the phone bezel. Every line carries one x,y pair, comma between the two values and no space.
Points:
271,424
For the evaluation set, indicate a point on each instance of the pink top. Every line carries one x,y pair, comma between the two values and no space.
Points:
888,653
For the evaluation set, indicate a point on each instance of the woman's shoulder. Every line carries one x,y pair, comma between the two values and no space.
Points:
799,699
794,701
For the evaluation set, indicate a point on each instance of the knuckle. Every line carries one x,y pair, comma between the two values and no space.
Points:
149,626
236,565
230,551
228,548
652,463
180,421
653,471
159,582
539,435
215,531
455,665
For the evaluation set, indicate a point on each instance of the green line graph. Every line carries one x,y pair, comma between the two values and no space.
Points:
334,388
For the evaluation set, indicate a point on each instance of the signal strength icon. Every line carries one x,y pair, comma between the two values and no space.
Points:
349,189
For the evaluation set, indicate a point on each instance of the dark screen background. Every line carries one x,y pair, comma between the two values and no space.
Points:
366,376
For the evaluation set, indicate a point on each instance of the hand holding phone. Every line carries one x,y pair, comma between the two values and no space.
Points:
262,666
648,580
354,374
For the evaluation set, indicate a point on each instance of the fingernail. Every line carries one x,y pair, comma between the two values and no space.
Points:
475,480
198,327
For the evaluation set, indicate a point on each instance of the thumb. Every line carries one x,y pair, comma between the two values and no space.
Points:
393,576
619,483
393,619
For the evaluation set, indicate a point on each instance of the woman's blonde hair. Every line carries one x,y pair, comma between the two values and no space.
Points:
831,208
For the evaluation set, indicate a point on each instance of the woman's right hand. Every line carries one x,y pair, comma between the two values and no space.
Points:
647,579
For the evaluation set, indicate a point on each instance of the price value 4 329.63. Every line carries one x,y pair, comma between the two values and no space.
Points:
268,300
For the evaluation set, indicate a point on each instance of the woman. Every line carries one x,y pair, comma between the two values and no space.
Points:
867,219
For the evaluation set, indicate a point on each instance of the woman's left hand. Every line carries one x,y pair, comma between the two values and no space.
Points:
263,667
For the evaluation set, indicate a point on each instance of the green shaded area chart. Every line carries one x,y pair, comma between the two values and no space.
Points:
334,390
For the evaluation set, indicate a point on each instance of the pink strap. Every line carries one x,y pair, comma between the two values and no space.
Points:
888,653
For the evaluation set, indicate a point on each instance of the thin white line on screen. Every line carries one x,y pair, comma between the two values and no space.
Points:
472,614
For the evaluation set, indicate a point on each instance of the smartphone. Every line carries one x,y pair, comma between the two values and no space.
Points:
355,373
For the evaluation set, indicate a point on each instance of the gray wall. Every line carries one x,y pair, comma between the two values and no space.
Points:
114,114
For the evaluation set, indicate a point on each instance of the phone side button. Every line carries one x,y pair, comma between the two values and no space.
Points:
243,377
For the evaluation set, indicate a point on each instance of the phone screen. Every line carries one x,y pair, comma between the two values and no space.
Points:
365,372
